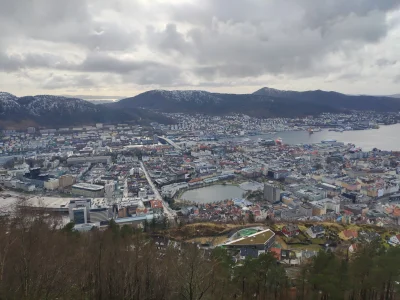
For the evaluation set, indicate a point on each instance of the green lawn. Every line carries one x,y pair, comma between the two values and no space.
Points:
311,247
318,241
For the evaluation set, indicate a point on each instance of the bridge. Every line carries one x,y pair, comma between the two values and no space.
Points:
169,141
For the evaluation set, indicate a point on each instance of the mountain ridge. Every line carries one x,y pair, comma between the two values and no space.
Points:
266,102
50,111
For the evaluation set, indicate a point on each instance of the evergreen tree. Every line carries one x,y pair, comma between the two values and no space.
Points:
251,217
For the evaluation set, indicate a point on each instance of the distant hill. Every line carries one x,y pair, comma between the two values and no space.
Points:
55,111
221,104
336,100
265,102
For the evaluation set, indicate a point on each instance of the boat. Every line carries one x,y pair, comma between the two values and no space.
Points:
328,141
279,141
263,142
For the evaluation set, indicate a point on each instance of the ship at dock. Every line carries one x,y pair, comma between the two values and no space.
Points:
328,141
263,142
279,141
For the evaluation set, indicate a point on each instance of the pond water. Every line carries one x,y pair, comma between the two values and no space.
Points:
213,193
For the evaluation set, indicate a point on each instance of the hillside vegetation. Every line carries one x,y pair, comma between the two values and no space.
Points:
40,261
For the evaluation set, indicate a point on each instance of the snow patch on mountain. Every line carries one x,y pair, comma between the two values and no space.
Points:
266,91
8,103
42,104
197,96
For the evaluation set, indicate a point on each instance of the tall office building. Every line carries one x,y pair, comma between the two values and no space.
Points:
126,189
79,215
84,204
272,193
109,189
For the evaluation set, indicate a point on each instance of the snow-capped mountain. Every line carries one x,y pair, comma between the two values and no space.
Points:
217,103
49,110
266,91
8,103
196,96
266,102
43,104
7,97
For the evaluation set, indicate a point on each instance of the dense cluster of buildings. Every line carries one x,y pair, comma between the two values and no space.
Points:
132,172
207,127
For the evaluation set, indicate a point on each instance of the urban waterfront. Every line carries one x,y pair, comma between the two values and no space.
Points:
384,138
213,193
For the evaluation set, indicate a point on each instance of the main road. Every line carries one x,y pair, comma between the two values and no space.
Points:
170,213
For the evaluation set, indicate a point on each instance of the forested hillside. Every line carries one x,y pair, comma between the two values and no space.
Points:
39,261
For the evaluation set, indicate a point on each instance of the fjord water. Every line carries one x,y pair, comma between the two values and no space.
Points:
384,138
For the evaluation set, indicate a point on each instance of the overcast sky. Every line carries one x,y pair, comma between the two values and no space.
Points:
124,47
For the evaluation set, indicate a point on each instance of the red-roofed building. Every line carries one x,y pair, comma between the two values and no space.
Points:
276,252
350,234
156,204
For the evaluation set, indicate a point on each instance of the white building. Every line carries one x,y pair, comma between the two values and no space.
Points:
51,184
97,215
109,189
142,193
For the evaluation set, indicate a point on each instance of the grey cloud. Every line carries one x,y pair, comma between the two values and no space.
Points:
9,63
16,61
68,81
324,13
132,71
168,40
160,76
213,41
101,62
238,38
383,62
367,28
314,13
138,71
72,21
103,36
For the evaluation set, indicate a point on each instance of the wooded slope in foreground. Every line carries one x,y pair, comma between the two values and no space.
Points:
39,261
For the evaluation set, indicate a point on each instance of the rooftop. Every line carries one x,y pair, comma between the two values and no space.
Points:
87,186
258,238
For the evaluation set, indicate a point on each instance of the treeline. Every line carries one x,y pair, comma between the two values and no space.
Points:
38,260
371,273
